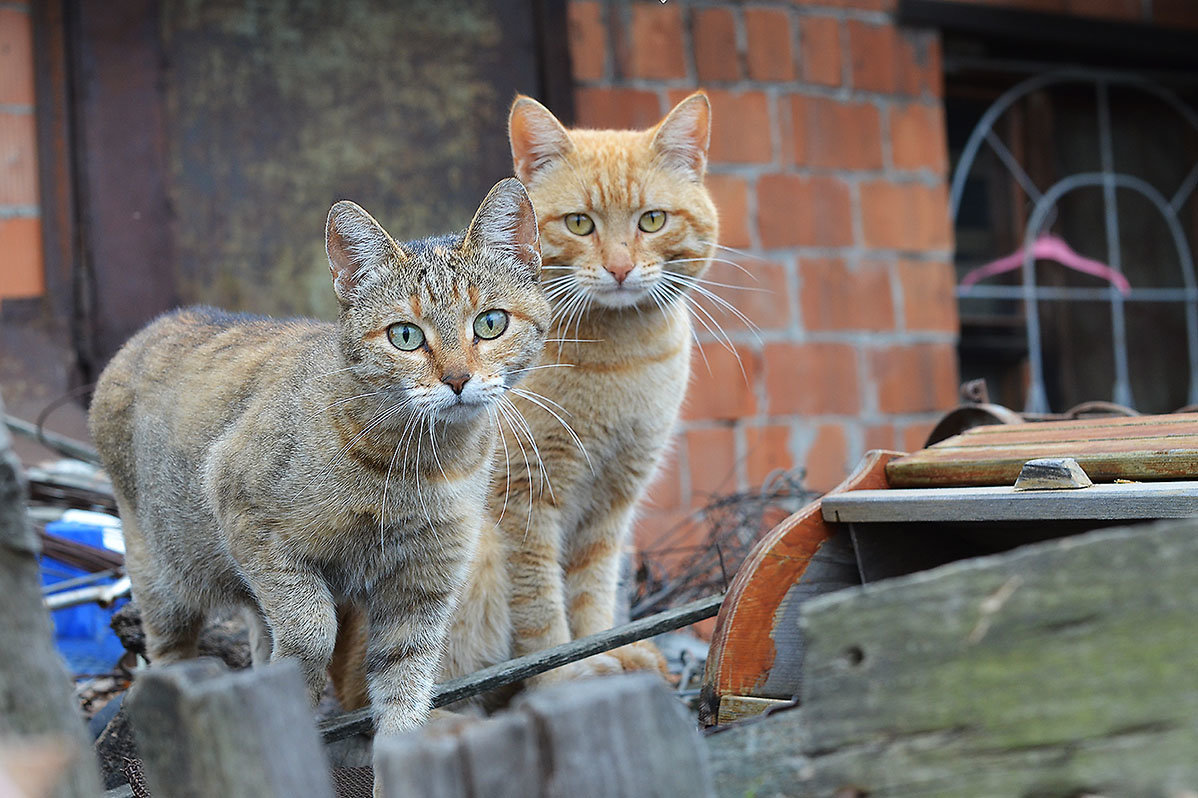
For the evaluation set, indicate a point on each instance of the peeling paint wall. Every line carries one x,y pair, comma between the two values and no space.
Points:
277,109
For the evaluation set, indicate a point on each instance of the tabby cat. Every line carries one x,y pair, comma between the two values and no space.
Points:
287,466
627,229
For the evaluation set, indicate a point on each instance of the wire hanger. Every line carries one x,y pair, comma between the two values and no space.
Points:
1049,247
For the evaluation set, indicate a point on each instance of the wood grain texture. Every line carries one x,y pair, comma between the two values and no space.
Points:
760,758
618,737
1059,669
35,692
1140,500
735,708
1136,448
203,731
757,630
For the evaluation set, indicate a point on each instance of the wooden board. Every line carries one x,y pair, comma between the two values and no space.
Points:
1132,501
734,708
1136,448
756,649
1060,669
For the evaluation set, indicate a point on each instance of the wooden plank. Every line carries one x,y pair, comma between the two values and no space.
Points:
615,737
759,758
35,691
734,708
620,736
202,731
1059,669
1141,447
1138,501
1078,429
756,649
514,670
1154,459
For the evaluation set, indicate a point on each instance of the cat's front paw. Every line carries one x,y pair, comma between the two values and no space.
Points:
589,668
640,656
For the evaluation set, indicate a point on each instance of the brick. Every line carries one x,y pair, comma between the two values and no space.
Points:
16,57
616,108
917,378
714,41
719,389
1127,10
811,378
21,265
917,137
670,530
18,159
588,39
758,289
819,50
929,295
769,52
665,491
657,42
906,216
833,133
740,131
835,297
915,435
768,451
731,195
711,455
885,59
827,458
803,211
866,5
880,436
1177,13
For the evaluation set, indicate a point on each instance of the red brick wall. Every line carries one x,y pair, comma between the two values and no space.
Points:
828,163
20,225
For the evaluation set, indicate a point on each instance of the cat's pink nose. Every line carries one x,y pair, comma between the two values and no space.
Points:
456,381
621,271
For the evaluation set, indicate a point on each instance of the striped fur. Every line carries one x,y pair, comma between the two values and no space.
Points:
615,370
288,466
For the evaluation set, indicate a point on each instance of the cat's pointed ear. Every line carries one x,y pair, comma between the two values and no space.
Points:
506,221
537,138
683,136
357,247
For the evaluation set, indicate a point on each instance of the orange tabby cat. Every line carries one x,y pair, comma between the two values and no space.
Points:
627,228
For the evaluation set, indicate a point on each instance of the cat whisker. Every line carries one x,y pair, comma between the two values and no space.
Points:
654,294
718,300
575,341
543,402
543,366
507,463
742,252
714,259
524,455
718,284
532,442
703,316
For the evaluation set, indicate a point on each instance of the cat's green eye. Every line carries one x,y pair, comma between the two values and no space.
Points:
490,324
405,336
579,224
652,221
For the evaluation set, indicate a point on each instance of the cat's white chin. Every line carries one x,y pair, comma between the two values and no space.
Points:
460,411
618,298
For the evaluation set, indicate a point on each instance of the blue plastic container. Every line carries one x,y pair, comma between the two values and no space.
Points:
83,633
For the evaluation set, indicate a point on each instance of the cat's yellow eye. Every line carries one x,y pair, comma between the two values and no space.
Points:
490,324
405,336
579,224
652,221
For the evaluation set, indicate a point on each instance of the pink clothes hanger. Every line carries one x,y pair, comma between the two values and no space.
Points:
1049,247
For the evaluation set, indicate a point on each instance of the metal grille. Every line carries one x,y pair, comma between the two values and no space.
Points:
1045,201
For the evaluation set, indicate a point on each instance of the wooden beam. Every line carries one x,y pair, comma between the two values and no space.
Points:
35,690
1132,501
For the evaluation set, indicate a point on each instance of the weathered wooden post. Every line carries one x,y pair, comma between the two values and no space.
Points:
202,731
619,737
35,695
